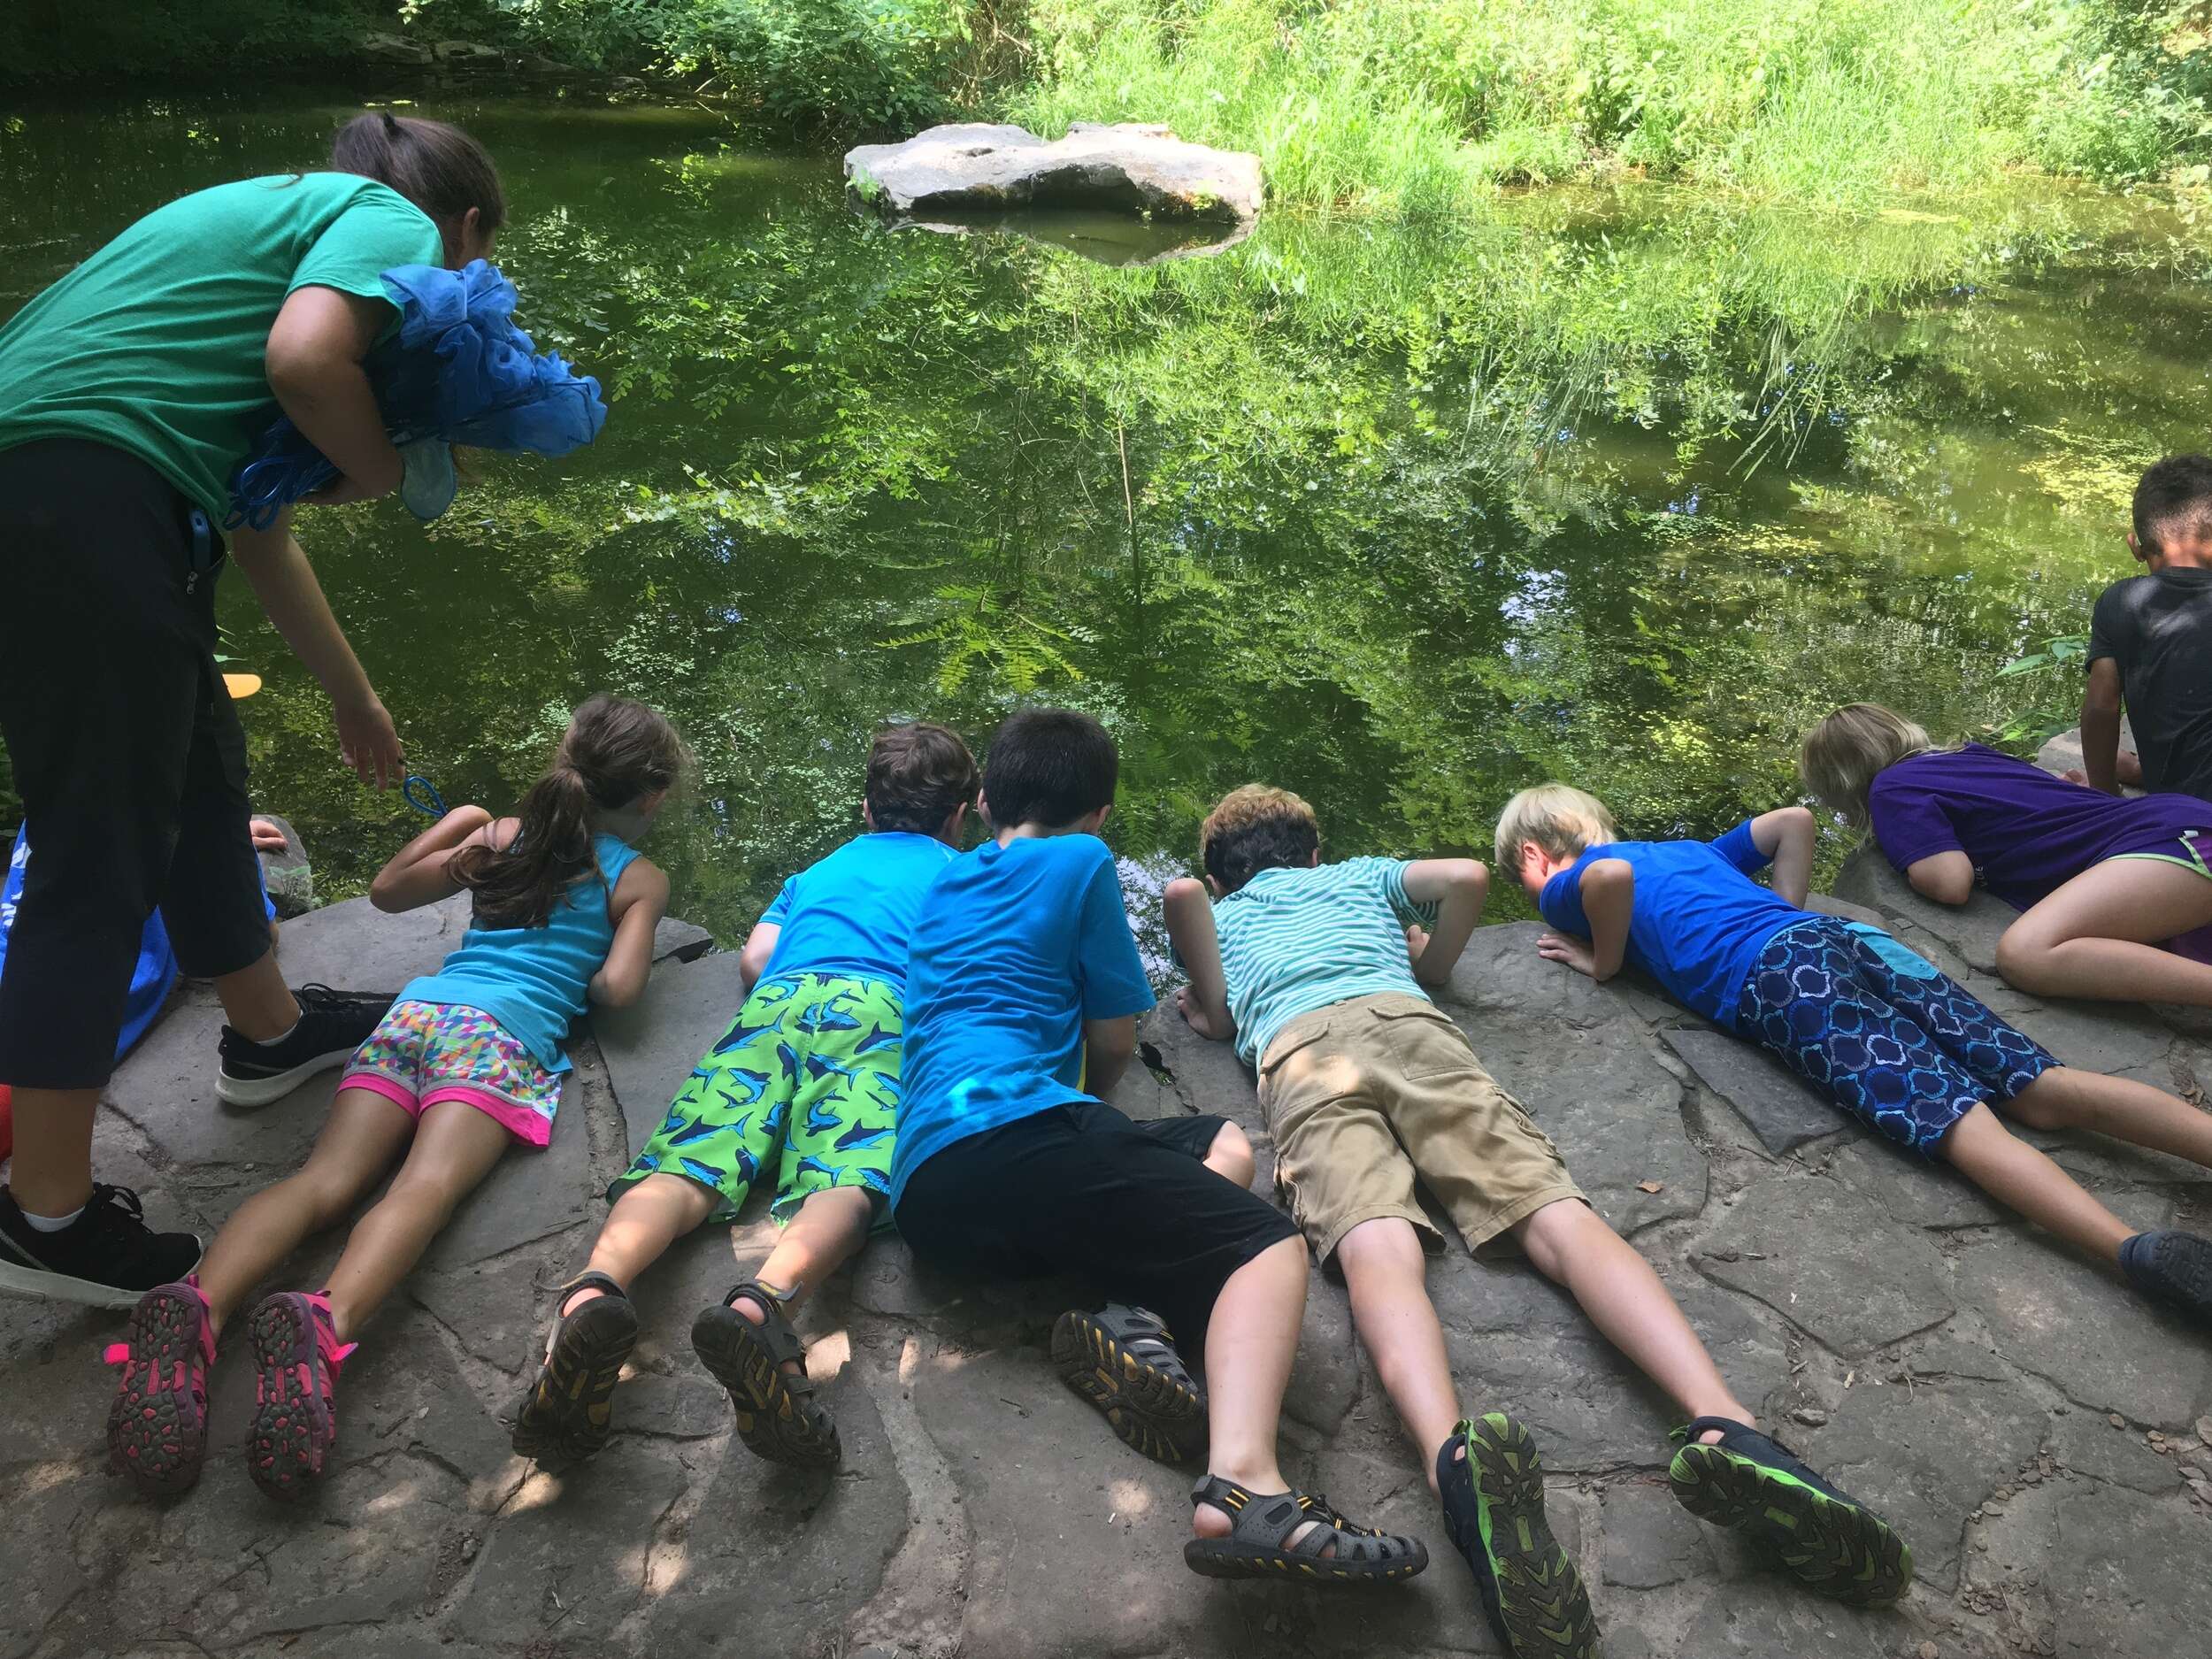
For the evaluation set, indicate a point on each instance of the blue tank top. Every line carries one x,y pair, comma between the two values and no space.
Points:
535,980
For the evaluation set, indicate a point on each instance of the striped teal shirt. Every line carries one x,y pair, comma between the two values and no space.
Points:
1293,940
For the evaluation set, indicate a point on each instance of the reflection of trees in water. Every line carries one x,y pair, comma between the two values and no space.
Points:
1626,490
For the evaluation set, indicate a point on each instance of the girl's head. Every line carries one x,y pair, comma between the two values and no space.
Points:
1842,755
438,168
615,766
1542,830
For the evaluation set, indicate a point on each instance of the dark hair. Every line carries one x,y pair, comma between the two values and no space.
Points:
614,752
917,775
1257,828
1048,766
438,168
2175,494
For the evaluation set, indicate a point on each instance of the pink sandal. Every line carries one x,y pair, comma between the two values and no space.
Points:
157,1426
296,1356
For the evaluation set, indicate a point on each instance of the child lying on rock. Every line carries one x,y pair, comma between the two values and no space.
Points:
1368,1087
1875,1028
807,1077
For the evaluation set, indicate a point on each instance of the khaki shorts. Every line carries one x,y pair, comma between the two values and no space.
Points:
1363,1095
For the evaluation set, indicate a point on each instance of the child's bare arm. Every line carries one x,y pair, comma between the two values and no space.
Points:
1108,1047
1204,1001
2100,726
640,901
1946,878
419,872
1458,887
752,962
1786,836
1608,901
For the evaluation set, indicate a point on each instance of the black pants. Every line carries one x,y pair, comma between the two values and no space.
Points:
1081,1189
125,748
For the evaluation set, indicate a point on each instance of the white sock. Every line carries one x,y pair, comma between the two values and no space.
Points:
51,1223
269,1041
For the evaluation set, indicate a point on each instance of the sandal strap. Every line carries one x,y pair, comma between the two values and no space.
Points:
1145,1335
599,1282
775,1330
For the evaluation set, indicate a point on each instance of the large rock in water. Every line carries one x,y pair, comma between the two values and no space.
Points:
971,167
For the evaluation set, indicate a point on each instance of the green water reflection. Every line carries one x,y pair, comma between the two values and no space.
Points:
1620,489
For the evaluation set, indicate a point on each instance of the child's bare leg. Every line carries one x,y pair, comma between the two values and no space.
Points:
2093,936
651,1215
1230,1155
1385,1272
366,1131
2067,1097
1249,1342
1574,1246
455,1147
2017,1176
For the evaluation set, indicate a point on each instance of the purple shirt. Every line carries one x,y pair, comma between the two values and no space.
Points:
2027,831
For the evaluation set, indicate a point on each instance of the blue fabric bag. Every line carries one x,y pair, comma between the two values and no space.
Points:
457,370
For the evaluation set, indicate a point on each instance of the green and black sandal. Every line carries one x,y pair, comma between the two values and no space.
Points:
569,1411
1494,1513
1819,1533
776,1418
1260,1523
1122,1361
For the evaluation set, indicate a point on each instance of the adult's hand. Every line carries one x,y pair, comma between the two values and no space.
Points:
267,837
369,743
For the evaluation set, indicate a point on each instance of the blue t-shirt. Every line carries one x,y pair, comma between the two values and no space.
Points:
852,912
1015,948
1700,920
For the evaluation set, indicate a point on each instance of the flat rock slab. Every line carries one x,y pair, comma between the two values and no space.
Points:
1781,1110
652,1047
970,167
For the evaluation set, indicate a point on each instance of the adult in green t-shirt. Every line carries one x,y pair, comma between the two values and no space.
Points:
129,391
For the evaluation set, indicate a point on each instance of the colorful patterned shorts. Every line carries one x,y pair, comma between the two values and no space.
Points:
811,1066
427,1052
1882,1031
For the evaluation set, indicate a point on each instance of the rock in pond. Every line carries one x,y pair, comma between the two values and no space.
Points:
971,167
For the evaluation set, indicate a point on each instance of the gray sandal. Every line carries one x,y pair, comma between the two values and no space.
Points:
1260,1523
776,1418
1123,1360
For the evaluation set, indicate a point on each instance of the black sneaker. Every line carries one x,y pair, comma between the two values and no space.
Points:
107,1257
2172,1268
333,1024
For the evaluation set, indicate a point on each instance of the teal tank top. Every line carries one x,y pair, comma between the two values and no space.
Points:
535,980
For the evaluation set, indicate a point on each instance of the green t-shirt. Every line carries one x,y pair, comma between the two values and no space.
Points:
156,343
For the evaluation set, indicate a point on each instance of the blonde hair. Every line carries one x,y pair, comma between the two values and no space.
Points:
1841,757
1562,819
1255,828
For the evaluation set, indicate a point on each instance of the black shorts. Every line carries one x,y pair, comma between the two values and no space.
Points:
125,749
1081,1189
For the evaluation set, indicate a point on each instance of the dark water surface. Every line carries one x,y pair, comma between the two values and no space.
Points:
1626,489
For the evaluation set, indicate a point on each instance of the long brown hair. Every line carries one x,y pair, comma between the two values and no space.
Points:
438,168
614,753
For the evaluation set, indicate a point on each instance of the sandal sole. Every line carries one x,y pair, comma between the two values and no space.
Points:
1838,1550
569,1412
156,1427
288,1441
774,1422
1543,1608
1147,1409
2180,1276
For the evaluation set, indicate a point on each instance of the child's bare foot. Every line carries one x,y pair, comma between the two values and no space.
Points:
1244,1533
752,1351
569,1410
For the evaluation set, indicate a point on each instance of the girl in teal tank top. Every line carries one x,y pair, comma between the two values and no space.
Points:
468,1061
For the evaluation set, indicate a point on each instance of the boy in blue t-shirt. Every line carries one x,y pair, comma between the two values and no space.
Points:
1023,992
810,1066
1875,1028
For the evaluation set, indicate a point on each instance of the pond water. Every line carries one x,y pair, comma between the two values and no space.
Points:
1621,489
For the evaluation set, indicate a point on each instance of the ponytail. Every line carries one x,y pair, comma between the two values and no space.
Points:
438,168
614,753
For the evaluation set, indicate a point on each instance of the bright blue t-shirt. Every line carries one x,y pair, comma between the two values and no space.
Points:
1700,920
852,912
1015,946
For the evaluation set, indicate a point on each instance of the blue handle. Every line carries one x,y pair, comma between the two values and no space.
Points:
428,802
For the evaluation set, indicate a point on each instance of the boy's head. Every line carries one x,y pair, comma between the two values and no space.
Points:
1843,754
1545,829
921,779
1255,828
2173,512
1051,769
